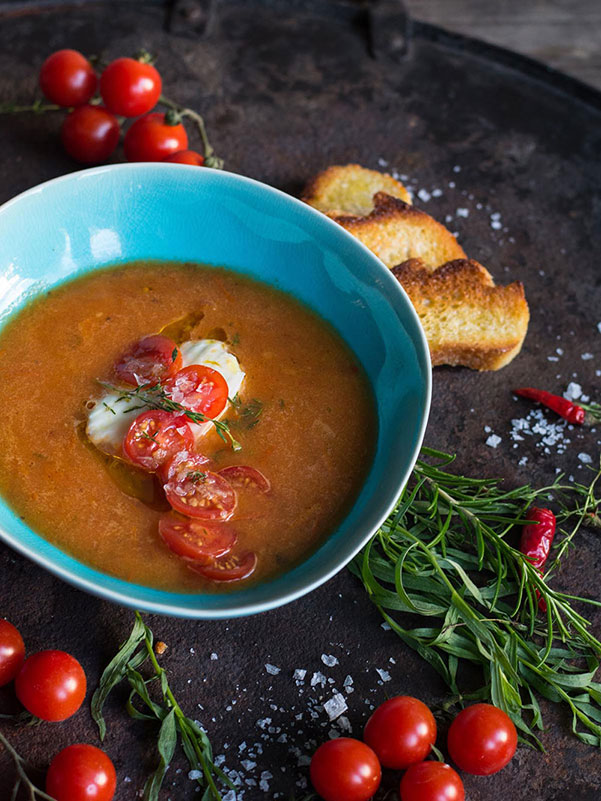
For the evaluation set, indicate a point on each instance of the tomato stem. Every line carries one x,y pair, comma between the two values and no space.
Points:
211,160
38,107
34,791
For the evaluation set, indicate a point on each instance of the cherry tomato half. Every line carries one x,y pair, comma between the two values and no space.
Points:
81,773
232,567
90,134
196,540
154,437
150,359
345,770
431,781
151,139
195,491
482,739
401,731
186,157
242,477
129,87
51,685
12,652
199,389
67,78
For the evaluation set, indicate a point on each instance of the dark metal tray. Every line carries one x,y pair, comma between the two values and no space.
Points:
507,152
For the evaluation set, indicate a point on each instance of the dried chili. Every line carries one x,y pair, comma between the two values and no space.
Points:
536,540
567,409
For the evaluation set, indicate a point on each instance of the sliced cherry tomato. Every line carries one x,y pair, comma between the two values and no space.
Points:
90,134
154,437
229,568
81,773
345,769
12,652
195,491
431,781
482,739
401,731
151,359
129,87
199,389
196,540
67,78
186,157
51,685
151,138
242,477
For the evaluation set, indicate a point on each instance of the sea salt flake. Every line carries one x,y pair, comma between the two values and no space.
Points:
214,657
437,193
385,626
462,212
487,429
195,774
329,660
335,706
299,675
318,678
383,674
248,764
273,670
493,440
585,458
586,357
424,195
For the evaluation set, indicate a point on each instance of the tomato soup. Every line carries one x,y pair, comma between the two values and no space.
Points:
303,419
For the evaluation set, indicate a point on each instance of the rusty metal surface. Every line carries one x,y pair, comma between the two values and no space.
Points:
285,94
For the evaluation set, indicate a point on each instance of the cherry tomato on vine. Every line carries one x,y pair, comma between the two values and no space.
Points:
81,773
482,739
401,731
129,87
152,138
12,652
152,358
345,770
90,134
51,685
186,157
67,78
431,781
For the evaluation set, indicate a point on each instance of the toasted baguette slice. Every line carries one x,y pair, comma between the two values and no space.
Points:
466,318
396,231
350,189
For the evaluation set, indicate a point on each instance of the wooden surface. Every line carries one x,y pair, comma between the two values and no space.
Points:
565,34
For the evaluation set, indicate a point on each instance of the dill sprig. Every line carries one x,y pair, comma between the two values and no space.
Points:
174,727
154,396
445,555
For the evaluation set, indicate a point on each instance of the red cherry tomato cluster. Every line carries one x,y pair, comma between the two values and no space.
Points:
400,735
51,685
163,442
128,88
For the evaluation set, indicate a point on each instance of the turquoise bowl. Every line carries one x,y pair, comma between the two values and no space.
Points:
81,222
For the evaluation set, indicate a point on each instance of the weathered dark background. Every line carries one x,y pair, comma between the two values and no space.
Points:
508,154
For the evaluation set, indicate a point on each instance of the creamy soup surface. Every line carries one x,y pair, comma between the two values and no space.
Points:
305,418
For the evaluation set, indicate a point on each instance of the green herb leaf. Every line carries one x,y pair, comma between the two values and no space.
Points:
166,748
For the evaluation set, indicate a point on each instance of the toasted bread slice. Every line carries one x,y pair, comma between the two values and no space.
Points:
466,318
396,231
350,189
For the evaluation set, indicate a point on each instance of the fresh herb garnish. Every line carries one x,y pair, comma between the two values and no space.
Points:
154,396
196,476
444,555
151,437
174,353
250,414
110,408
136,652
23,780
235,340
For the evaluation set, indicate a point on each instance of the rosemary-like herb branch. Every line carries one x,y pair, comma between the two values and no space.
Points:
23,779
136,652
153,396
445,555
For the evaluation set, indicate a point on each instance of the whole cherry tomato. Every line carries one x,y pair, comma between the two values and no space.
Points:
51,685
482,739
12,652
81,773
401,731
431,781
152,138
67,78
129,87
186,157
345,770
90,134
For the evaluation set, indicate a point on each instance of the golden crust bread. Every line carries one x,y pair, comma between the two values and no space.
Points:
396,231
350,188
466,318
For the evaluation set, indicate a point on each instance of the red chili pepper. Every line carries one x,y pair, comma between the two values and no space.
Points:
536,540
567,409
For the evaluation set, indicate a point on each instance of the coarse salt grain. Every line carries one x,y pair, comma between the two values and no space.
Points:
273,670
299,675
335,706
493,440
586,357
462,212
214,657
573,392
585,458
383,674
424,195
318,678
329,660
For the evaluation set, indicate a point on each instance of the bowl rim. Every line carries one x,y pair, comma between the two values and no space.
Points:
173,608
